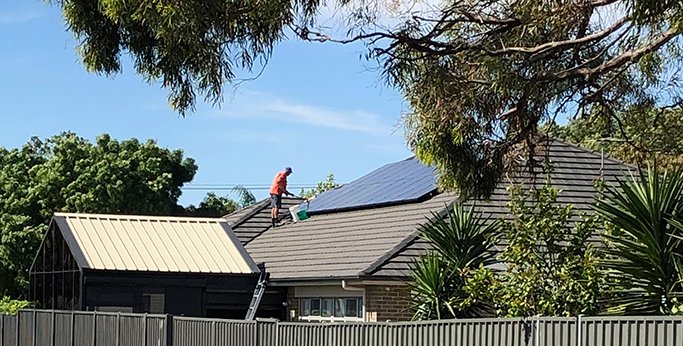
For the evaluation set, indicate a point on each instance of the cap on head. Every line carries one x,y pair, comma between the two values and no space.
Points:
288,169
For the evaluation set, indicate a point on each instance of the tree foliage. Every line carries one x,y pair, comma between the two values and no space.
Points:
461,240
9,306
480,76
541,263
644,135
212,206
190,47
328,184
244,197
645,242
551,268
68,173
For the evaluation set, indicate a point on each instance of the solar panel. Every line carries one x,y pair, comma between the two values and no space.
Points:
398,182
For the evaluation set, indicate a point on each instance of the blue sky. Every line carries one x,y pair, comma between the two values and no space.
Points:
317,107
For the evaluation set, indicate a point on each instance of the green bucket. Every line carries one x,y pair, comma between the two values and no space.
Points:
302,215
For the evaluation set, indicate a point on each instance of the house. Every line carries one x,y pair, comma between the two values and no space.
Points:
127,263
350,261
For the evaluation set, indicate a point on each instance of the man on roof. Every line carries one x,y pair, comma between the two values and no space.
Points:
279,187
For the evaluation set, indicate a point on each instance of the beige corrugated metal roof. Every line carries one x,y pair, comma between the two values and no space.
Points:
154,243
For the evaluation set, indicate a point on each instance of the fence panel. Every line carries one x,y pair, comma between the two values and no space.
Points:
107,329
155,331
193,331
43,328
85,329
555,331
633,331
26,325
9,330
131,330
266,333
63,328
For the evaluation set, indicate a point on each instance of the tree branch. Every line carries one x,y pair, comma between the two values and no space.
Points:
615,63
561,44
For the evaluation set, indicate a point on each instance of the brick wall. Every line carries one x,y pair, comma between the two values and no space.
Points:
388,303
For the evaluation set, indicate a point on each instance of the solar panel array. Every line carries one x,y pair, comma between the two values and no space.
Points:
398,182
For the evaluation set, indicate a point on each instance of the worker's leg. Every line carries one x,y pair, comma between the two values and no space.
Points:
273,209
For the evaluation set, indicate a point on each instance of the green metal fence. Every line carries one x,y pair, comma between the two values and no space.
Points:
78,328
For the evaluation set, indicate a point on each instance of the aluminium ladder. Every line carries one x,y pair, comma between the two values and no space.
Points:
258,294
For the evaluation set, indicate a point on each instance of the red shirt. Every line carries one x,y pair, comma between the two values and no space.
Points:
279,184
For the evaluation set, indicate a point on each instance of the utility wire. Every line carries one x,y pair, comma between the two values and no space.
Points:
209,188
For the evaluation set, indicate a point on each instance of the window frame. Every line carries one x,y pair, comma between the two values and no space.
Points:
359,317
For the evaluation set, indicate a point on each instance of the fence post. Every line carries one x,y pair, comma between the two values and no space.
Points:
538,330
213,333
144,330
94,328
118,328
277,333
579,330
35,325
2,329
54,324
169,330
16,341
257,342
73,323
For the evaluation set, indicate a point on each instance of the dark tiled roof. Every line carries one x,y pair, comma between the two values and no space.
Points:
248,223
575,171
380,242
343,244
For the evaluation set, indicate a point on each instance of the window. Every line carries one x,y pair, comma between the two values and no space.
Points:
154,303
331,309
327,309
315,307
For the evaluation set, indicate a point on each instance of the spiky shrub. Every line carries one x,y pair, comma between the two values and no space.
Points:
461,240
643,256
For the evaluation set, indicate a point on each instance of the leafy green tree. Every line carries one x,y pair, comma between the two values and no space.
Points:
642,135
461,240
244,197
551,267
645,245
190,47
10,306
480,76
68,173
328,184
212,206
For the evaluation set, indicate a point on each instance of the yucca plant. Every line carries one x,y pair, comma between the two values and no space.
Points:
645,215
461,241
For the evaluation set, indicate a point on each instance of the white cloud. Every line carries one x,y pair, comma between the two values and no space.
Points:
254,104
20,17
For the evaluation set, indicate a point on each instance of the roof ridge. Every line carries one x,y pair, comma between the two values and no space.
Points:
138,217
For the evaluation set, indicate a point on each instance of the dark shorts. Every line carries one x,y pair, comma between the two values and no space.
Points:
275,201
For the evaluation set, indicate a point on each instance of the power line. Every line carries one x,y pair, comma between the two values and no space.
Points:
243,185
210,188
